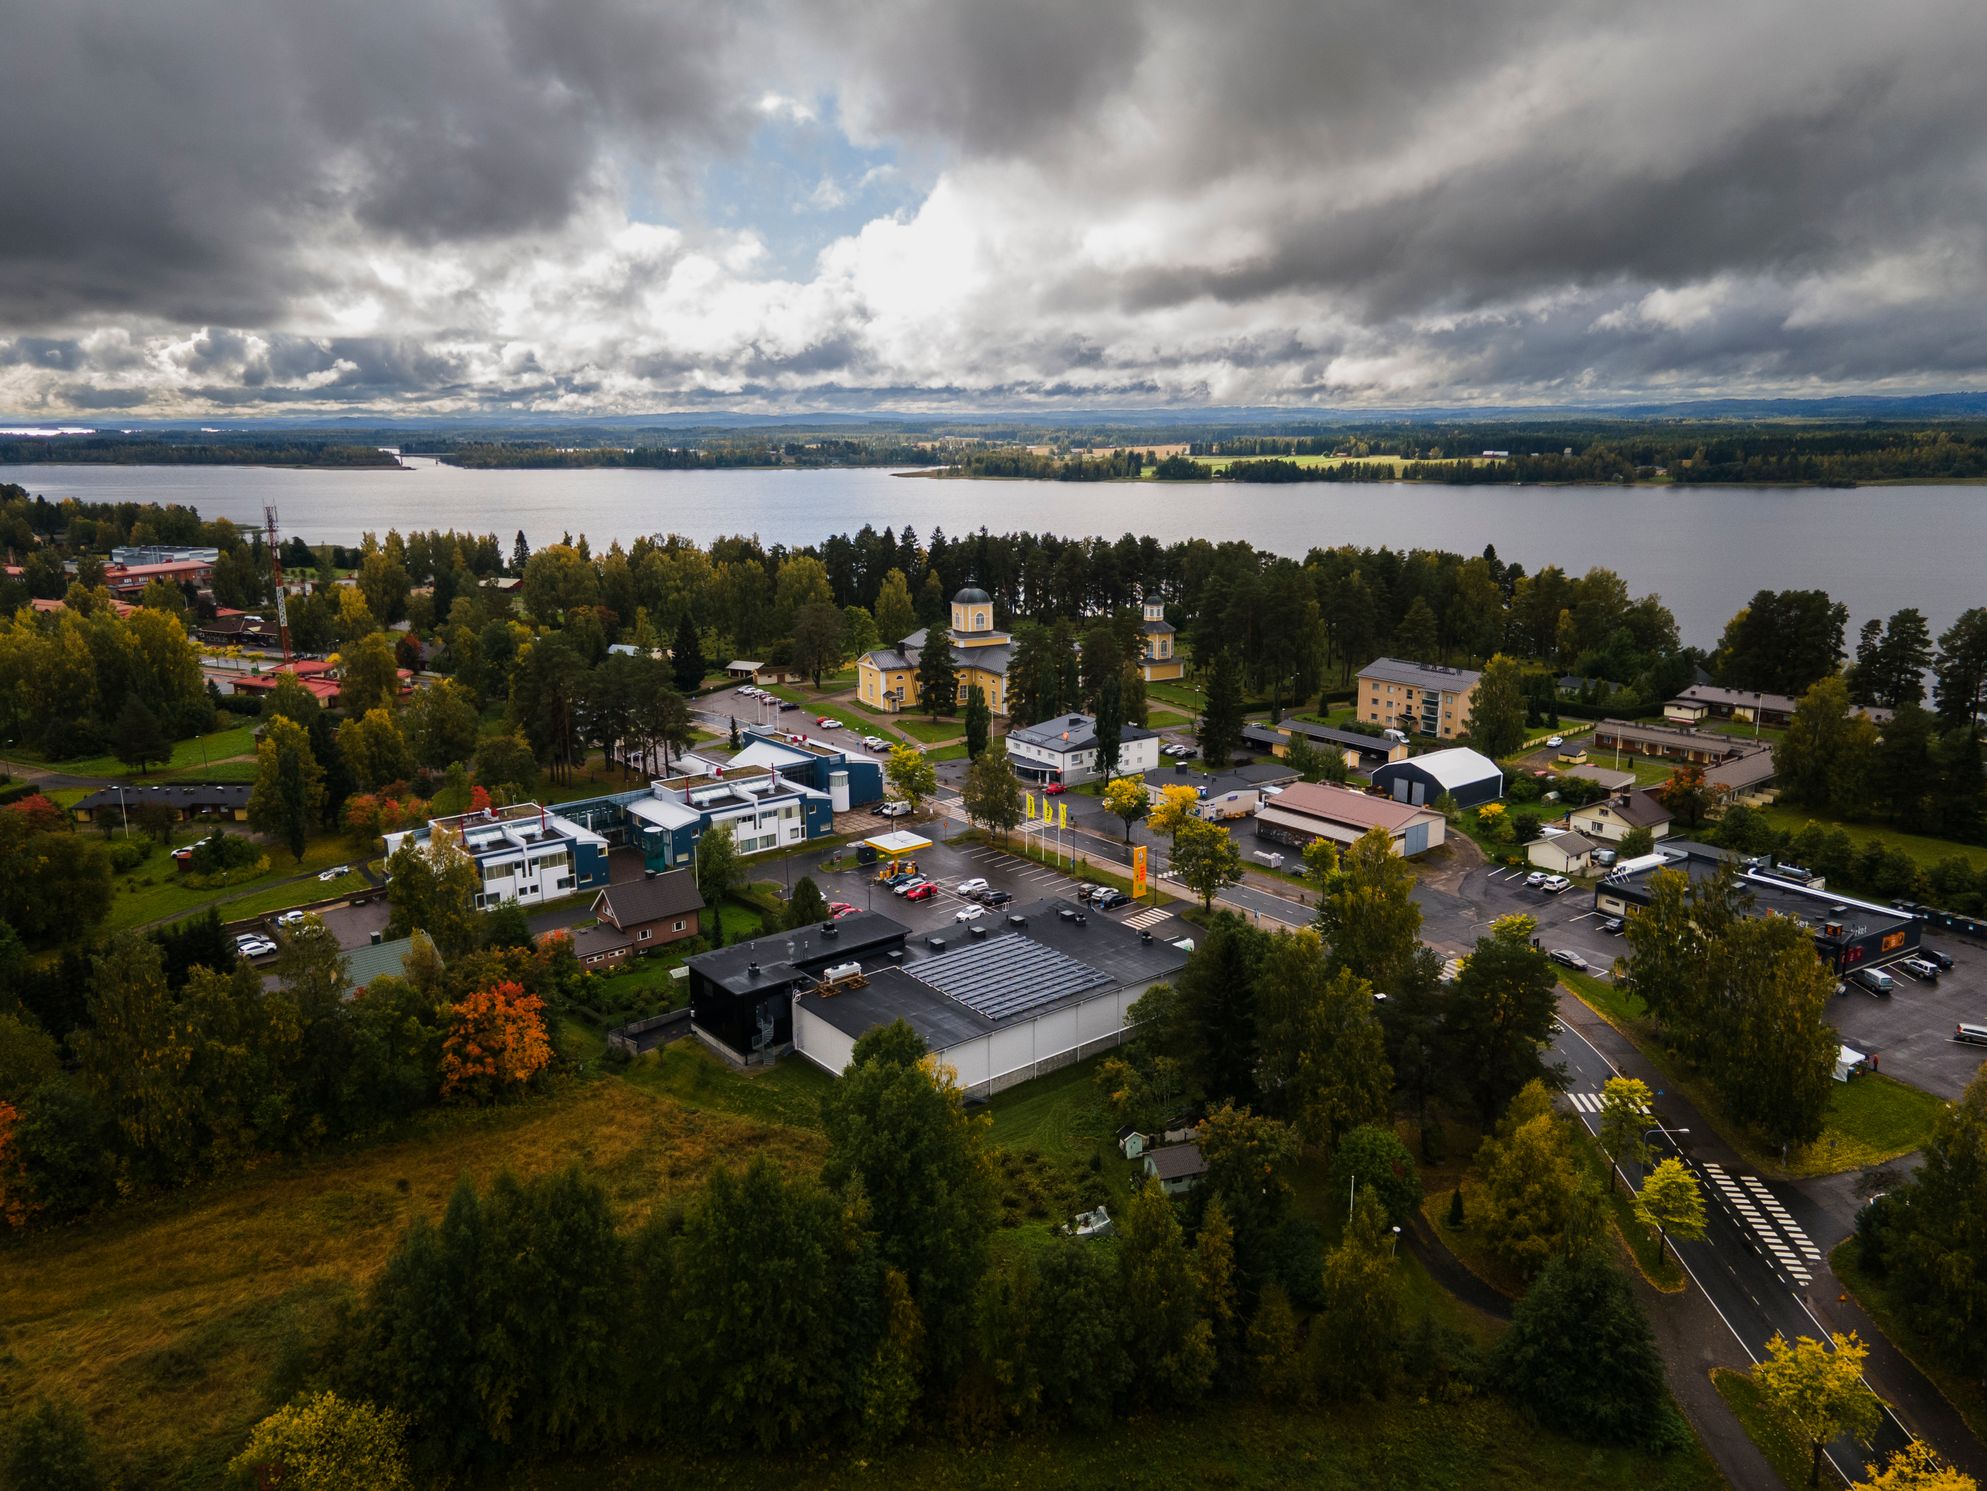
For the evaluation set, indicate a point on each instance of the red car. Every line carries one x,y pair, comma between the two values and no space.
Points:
840,909
1054,789
921,892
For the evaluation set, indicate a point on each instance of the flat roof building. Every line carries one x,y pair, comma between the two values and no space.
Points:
523,853
1848,933
999,1002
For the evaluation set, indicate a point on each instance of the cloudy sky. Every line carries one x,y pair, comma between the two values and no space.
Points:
233,207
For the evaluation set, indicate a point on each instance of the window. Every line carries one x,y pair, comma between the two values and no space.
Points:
680,924
643,935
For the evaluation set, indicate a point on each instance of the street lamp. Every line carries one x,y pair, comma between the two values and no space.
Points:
1395,1246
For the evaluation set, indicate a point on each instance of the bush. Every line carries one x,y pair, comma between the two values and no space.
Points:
222,851
127,854
52,1451
1581,1356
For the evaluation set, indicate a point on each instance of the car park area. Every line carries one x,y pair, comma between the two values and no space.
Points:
1909,1029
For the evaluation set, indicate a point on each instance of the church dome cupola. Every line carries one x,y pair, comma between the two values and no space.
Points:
972,610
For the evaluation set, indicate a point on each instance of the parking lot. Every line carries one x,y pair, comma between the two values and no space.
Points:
947,865
1909,1033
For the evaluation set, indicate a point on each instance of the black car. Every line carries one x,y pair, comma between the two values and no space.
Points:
1943,961
786,704
996,898
1110,900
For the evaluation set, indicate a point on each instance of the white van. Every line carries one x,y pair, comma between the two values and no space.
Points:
1268,857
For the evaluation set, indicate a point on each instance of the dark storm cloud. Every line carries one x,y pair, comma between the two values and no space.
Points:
1267,199
175,160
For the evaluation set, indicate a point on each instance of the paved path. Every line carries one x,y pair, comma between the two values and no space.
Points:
1450,1272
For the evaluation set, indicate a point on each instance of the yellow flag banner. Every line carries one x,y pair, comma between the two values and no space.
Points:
1137,871
1062,815
1028,800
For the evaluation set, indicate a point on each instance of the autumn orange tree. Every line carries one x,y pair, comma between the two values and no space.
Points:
14,1206
496,1043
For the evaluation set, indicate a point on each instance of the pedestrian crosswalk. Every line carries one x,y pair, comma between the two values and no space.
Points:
1590,1102
1768,1220
1148,918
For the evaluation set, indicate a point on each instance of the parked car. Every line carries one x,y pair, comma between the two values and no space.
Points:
1613,926
1178,750
969,913
924,890
1534,880
875,743
1110,899
786,704
1054,789
254,947
1942,961
908,884
1922,969
1555,741
826,722
839,908
998,898
1567,958
334,872
1874,981
972,887
1554,884
893,810
290,919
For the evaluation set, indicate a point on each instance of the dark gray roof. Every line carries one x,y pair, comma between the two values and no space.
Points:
1636,809
1110,954
1371,745
591,942
672,893
207,795
972,595
861,934
1176,1161
1420,675
1081,730
1008,975
364,964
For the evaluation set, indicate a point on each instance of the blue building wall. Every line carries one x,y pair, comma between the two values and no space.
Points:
589,866
865,777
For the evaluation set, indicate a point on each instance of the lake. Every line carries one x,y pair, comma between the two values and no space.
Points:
1704,550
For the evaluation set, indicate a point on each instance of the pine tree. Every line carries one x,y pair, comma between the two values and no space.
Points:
808,905
136,736
288,796
1581,1356
1221,712
686,661
938,674
979,722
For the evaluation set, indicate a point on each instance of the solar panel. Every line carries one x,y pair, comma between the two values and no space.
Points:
1008,975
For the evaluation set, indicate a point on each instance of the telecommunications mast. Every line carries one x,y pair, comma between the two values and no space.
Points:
276,573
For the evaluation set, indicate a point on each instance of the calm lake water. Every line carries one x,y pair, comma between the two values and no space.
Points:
1705,551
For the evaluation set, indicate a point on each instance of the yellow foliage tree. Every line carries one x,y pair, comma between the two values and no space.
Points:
1176,805
496,1042
1917,1467
327,1443
1818,1393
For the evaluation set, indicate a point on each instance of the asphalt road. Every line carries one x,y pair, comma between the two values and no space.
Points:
1763,1261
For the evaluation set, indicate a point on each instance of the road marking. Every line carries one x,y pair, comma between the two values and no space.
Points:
1760,1210
1590,1102
1149,918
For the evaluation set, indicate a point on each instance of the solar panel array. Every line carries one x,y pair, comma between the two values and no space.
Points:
1008,975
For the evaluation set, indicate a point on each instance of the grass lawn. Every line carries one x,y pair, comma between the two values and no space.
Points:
1968,1395
1871,1119
1922,849
157,891
1182,696
788,1095
173,1323
236,740
921,727
1465,1242
954,752
1790,1458
1480,1445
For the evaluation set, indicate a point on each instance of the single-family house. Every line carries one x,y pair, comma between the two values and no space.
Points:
1614,818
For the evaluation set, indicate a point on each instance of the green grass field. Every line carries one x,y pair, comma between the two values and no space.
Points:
1398,1444
1967,1394
1922,849
173,1323
156,890
1790,1458
1871,1119
1183,696
187,757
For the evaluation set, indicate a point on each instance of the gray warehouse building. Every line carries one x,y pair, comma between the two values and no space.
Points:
998,1001
1848,933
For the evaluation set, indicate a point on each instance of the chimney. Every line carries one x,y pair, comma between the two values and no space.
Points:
752,969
